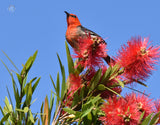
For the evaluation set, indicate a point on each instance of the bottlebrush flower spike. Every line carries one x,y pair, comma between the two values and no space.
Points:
138,58
119,111
144,104
90,51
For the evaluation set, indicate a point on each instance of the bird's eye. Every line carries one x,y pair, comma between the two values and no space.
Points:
74,16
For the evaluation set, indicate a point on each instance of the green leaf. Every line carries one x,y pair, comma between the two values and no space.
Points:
35,84
57,85
53,83
42,112
147,119
10,97
154,119
8,106
141,117
120,82
141,83
5,118
31,116
11,61
96,99
2,111
95,80
69,110
113,91
28,91
63,90
106,75
115,69
51,101
29,64
16,93
89,116
19,79
70,61
87,107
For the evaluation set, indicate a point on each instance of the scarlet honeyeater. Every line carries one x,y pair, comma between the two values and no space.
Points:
76,31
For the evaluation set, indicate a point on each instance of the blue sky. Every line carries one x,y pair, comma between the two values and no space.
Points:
27,26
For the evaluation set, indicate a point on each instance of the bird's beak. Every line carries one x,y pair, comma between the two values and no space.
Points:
66,13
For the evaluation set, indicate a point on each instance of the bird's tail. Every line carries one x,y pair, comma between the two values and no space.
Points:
109,60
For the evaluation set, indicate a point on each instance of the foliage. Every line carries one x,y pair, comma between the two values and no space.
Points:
86,97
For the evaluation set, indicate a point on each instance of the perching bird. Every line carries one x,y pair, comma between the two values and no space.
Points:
75,30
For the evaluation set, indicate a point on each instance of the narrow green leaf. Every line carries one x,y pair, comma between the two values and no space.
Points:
113,91
2,111
70,61
31,116
5,118
89,116
141,83
64,86
60,63
141,117
19,79
51,101
42,111
87,111
63,77
106,75
11,61
154,119
16,93
8,106
147,119
95,80
136,90
69,110
29,64
57,85
28,90
53,83
120,82
10,97
35,84
96,99
115,68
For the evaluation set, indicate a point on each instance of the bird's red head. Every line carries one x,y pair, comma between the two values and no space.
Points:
72,19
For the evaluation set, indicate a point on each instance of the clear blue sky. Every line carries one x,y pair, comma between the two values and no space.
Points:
27,26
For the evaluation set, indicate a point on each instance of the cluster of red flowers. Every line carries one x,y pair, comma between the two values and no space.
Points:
91,51
137,58
126,111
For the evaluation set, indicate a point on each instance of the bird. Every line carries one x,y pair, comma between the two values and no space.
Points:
75,30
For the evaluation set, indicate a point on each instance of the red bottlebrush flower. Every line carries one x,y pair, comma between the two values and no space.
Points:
74,84
119,111
157,106
138,58
144,104
91,51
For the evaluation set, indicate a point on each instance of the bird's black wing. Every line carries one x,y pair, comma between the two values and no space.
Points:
89,32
